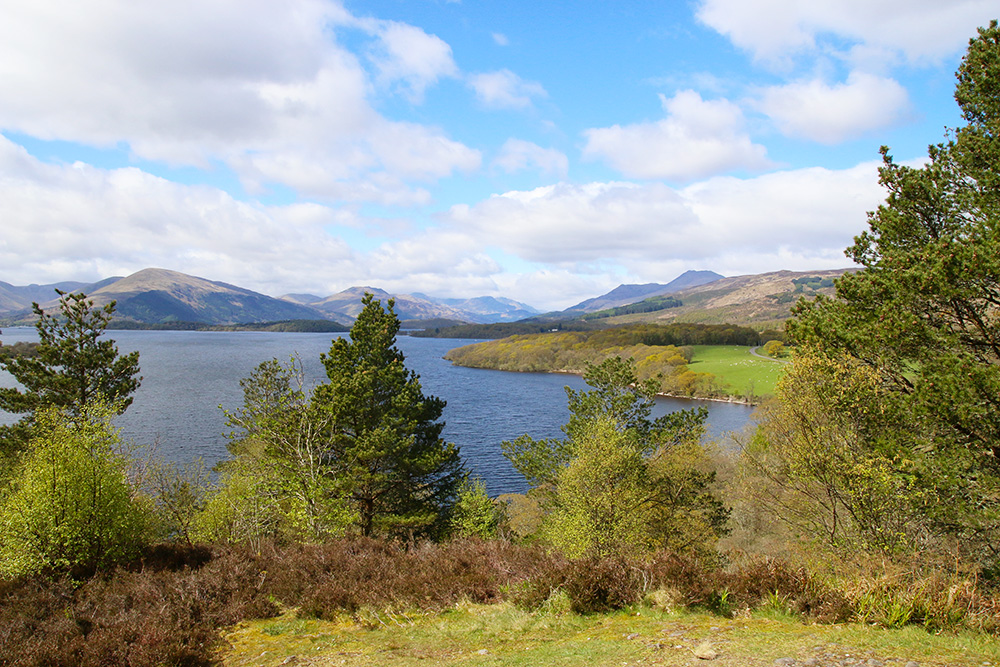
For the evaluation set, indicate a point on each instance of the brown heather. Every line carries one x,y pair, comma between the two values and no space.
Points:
170,607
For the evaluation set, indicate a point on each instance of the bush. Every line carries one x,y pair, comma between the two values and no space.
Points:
602,585
475,514
70,506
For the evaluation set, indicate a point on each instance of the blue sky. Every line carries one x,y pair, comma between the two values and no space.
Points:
544,151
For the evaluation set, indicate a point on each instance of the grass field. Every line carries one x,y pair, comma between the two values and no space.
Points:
737,369
502,634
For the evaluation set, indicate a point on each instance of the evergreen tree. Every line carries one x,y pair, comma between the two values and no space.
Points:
72,368
385,444
922,317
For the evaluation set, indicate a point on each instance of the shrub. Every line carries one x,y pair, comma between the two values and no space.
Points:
475,514
70,507
601,585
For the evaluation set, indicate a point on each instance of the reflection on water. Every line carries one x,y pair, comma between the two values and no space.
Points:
188,375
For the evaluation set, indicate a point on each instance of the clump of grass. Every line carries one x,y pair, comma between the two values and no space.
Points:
938,600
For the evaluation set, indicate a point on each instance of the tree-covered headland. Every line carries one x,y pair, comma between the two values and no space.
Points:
662,353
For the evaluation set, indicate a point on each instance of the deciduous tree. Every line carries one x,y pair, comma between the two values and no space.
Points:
281,482
620,482
70,505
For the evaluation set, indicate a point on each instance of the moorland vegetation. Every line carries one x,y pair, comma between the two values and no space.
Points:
870,491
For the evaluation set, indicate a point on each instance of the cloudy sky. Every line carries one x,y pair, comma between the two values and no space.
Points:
545,151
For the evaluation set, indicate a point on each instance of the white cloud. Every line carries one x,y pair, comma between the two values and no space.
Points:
505,90
517,155
410,55
698,138
577,223
550,246
831,114
261,86
805,213
500,39
774,30
80,222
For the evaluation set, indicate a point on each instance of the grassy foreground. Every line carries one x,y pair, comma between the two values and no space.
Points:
502,634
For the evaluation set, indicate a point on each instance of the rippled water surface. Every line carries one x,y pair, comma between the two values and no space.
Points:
187,375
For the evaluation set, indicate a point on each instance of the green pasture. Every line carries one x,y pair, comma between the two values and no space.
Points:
739,371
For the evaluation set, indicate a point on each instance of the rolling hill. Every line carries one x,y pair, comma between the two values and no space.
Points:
761,301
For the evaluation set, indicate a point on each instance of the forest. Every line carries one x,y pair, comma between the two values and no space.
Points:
867,493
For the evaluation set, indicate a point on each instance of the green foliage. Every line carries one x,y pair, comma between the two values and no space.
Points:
922,316
601,498
364,452
18,349
281,483
71,369
621,483
574,351
475,514
775,348
497,330
180,493
830,461
812,282
70,505
384,434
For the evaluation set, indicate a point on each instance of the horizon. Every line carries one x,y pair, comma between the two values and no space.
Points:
411,293
545,154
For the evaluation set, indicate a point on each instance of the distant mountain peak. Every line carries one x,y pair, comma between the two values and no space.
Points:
624,295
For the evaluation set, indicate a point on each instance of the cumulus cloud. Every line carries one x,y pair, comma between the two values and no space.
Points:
263,87
831,114
505,90
773,30
550,246
698,138
83,222
577,223
517,155
803,213
410,55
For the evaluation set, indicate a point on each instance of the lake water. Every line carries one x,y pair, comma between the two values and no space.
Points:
187,375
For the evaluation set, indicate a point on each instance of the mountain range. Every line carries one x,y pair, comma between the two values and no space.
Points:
161,296
624,295
156,296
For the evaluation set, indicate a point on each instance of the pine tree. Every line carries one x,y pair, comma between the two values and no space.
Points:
73,368
385,442
923,317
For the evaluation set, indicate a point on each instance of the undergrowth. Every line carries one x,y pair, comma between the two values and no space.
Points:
169,606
